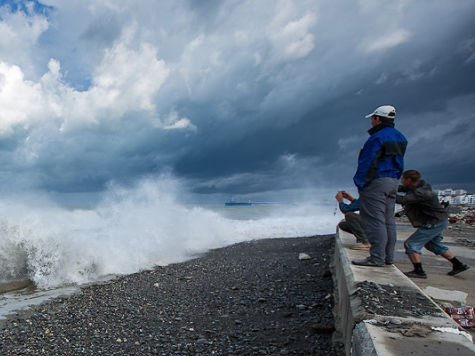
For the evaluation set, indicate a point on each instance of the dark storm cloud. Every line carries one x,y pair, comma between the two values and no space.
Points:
240,96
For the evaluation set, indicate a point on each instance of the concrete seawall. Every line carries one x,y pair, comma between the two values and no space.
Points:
377,332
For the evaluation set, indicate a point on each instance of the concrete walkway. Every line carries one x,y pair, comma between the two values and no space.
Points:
454,291
437,267
366,333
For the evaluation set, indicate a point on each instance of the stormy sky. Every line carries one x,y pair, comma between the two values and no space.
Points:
230,96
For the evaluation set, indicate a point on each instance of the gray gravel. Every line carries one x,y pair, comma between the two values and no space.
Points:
250,298
394,301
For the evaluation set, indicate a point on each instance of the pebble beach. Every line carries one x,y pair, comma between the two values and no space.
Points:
254,297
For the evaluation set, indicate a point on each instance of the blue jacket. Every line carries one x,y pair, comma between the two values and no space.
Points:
353,206
381,156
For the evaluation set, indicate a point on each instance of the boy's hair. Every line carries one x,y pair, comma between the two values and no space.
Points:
412,175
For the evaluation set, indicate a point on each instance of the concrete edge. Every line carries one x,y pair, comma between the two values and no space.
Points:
346,309
361,338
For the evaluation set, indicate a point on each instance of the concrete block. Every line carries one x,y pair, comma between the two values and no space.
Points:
455,296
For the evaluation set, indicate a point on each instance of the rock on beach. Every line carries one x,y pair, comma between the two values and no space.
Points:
254,297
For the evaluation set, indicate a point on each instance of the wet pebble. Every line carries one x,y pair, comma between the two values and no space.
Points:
248,298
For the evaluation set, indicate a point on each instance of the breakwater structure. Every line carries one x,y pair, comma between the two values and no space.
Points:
379,311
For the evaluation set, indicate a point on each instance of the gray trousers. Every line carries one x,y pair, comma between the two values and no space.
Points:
377,215
352,224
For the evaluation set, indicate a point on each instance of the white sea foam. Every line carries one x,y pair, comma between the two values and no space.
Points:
130,230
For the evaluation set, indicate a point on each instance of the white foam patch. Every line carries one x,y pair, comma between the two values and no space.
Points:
130,230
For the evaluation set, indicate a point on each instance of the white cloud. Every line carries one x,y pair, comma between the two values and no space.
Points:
182,123
20,27
293,39
19,34
173,122
7,36
126,80
386,41
21,101
384,24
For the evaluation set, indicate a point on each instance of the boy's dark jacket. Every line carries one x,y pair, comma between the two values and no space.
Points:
421,205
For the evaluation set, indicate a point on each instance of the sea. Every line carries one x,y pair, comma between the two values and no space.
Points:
49,249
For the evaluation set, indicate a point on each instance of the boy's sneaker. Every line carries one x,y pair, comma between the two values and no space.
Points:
416,274
457,269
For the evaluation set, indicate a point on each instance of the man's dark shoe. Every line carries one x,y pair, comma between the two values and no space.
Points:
458,269
368,262
414,274
388,263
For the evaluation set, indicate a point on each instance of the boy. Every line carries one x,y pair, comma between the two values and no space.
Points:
424,211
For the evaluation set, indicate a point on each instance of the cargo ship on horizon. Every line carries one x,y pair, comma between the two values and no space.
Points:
247,203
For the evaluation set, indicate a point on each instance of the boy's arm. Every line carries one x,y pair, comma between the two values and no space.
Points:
414,196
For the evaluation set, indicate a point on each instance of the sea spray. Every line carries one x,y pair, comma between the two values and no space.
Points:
131,229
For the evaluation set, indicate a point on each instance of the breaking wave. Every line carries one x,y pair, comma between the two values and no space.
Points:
128,231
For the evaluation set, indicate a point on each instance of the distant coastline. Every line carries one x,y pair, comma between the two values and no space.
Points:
247,203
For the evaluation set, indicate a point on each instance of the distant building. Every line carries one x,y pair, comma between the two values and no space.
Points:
456,197
447,192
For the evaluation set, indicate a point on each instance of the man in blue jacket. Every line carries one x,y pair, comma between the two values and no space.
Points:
380,165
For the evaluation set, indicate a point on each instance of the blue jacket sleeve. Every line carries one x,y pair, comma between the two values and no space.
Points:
354,206
366,158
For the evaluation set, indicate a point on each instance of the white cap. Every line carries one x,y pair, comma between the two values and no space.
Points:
387,111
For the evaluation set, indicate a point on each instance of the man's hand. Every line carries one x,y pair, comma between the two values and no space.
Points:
347,196
339,197
400,213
